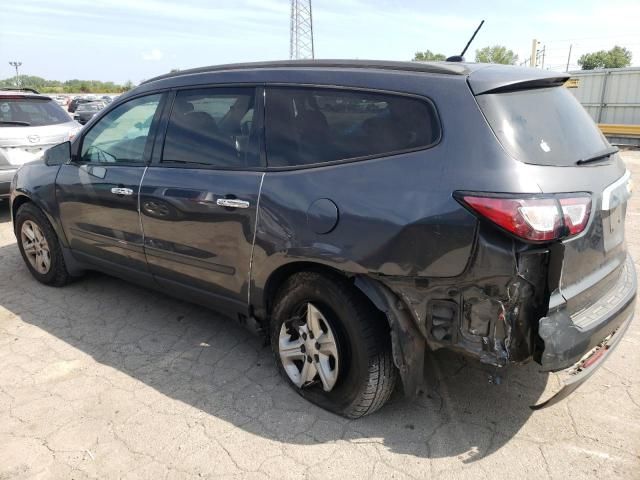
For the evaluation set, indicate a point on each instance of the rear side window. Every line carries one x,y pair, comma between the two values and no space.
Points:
213,127
545,126
33,112
306,126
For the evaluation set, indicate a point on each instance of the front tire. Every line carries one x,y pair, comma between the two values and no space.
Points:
331,345
39,246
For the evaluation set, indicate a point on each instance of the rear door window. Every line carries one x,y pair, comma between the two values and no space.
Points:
306,126
545,126
213,127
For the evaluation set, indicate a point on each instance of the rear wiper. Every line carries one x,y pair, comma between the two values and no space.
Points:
606,153
14,122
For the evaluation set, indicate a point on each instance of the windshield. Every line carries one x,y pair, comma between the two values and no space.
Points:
34,112
545,126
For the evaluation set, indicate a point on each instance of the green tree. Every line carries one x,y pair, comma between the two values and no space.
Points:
617,57
496,54
428,56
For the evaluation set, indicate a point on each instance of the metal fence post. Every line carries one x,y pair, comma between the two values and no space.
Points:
605,81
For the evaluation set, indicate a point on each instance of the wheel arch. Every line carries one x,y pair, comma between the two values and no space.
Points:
279,276
408,345
17,202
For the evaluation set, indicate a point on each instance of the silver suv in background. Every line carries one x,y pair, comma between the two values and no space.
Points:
29,124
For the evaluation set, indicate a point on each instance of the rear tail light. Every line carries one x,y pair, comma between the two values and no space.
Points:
533,219
575,211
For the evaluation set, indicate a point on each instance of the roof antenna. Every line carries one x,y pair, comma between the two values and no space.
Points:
460,58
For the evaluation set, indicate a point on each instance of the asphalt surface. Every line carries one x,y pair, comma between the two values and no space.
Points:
102,379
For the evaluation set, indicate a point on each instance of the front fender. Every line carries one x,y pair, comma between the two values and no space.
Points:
36,182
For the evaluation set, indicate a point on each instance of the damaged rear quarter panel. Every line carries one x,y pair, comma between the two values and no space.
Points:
495,304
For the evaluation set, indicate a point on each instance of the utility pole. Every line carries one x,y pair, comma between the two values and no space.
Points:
16,65
301,31
534,53
568,58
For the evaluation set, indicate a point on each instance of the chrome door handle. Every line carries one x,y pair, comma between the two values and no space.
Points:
122,191
232,203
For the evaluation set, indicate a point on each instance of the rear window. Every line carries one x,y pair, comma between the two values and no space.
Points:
306,126
88,107
545,126
35,112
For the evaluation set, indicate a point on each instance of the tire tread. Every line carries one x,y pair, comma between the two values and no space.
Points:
382,373
60,276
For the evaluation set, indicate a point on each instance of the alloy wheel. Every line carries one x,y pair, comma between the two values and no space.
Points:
36,247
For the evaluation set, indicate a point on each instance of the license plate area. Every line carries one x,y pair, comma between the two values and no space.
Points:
613,227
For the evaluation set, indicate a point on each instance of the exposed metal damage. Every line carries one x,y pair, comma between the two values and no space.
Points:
493,319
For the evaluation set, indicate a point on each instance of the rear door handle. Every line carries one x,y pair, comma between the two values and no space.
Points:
122,191
232,203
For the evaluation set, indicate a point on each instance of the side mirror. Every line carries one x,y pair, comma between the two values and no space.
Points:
58,155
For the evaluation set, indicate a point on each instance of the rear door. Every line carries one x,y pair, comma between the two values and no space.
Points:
199,198
550,132
98,192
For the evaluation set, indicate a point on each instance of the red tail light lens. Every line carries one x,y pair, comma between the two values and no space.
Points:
576,213
533,219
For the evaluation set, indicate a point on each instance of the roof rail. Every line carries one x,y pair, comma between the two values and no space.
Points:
19,89
425,67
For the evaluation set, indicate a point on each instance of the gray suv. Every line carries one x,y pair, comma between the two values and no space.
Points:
29,124
355,213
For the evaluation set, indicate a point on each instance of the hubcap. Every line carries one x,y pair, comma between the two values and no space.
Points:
35,247
309,351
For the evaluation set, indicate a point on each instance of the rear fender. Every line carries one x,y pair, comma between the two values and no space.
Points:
407,343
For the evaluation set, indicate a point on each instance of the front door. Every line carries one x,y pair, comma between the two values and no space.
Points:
199,198
98,191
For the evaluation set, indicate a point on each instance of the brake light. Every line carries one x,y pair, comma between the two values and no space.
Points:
533,219
576,213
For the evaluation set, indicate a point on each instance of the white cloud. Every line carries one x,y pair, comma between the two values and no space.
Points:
153,55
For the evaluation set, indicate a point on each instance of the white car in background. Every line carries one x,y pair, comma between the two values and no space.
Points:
29,124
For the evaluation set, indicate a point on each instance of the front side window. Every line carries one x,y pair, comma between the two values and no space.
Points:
306,126
212,127
122,135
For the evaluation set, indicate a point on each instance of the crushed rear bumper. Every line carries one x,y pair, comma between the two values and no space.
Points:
576,346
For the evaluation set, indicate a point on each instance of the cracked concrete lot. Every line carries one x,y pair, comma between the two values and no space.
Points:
103,379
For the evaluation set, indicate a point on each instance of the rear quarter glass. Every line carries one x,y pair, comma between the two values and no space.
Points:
543,126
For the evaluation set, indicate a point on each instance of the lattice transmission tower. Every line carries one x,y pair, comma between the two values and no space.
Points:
301,41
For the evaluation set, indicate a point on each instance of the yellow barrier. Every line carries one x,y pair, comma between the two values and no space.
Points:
616,130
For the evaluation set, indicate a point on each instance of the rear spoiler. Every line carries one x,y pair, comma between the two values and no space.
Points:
506,78
19,89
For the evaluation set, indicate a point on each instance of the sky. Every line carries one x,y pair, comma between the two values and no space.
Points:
121,40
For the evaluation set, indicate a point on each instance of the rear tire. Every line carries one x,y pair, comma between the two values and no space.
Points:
366,375
34,231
